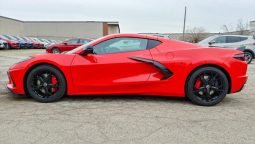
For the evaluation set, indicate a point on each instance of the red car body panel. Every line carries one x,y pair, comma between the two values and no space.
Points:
118,73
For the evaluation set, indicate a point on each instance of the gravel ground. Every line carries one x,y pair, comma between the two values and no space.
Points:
123,120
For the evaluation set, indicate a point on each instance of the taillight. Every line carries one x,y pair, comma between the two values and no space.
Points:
240,56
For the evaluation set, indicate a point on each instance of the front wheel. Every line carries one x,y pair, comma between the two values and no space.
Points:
207,86
45,83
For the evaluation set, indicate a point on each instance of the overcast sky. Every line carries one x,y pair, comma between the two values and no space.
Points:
136,15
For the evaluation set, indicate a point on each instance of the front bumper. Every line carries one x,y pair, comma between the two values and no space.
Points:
15,83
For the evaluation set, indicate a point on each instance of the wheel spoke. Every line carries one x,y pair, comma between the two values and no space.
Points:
217,89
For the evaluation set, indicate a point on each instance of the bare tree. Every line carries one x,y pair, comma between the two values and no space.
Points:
195,34
227,28
240,28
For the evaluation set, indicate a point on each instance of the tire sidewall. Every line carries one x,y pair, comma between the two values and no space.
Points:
249,53
189,87
55,49
61,81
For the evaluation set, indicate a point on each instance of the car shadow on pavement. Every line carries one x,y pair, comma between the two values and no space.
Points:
107,98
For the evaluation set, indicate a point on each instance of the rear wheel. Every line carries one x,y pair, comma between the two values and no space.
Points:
46,84
248,57
207,86
55,50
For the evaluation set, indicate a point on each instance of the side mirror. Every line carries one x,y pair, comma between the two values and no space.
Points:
211,42
65,43
87,50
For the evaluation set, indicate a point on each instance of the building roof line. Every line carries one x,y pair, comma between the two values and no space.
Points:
110,22
11,18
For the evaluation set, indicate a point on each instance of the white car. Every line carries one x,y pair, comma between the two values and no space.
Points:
233,41
3,44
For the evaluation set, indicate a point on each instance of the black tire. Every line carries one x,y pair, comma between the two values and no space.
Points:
212,88
39,84
248,57
55,50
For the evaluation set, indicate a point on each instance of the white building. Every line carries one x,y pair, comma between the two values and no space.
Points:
58,29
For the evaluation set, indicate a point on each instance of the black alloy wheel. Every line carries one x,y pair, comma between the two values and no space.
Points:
207,86
45,83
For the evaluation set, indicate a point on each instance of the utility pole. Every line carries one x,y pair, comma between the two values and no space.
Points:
184,25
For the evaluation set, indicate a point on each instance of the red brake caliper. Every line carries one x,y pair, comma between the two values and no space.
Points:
54,82
198,84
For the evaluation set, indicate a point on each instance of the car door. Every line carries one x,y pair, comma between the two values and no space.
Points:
71,44
112,68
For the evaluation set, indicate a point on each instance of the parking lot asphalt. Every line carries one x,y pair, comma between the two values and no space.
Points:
123,119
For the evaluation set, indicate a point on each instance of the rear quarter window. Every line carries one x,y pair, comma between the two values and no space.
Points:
234,39
153,43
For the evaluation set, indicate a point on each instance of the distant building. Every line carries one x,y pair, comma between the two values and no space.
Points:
58,29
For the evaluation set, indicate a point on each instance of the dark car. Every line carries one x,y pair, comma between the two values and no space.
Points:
29,44
67,45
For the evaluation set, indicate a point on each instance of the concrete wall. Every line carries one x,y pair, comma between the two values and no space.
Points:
63,30
11,26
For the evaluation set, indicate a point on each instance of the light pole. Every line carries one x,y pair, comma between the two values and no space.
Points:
184,25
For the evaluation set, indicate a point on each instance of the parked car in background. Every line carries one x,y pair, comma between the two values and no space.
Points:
22,43
29,44
45,45
67,45
233,41
10,43
37,44
3,44
34,44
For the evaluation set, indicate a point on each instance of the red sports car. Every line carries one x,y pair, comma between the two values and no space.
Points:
66,45
135,65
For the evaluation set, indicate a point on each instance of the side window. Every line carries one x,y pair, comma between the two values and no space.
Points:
72,41
84,41
153,43
220,40
234,39
243,38
116,45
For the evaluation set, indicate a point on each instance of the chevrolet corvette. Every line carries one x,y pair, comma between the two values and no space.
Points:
132,64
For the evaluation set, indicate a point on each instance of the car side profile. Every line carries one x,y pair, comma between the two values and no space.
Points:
233,41
11,44
66,45
132,64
